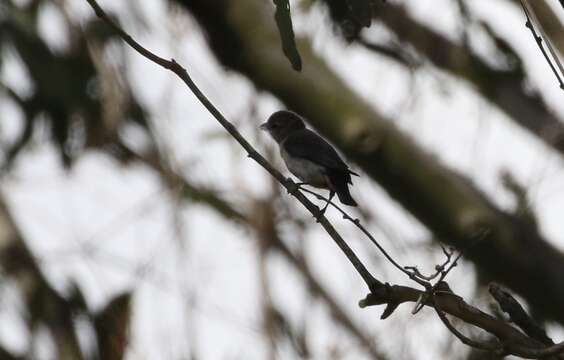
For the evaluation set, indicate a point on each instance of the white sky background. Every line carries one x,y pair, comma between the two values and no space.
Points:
111,228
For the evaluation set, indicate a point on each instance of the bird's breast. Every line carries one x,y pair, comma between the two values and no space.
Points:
305,170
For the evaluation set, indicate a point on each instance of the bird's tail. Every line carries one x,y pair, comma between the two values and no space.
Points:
341,187
345,196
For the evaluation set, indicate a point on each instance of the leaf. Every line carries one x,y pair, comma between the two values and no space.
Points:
284,23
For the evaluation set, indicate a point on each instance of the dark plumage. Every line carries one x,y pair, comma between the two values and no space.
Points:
308,156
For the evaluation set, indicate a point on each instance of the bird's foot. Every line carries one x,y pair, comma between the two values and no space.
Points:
293,187
319,213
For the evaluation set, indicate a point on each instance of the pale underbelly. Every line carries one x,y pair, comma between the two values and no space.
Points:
305,170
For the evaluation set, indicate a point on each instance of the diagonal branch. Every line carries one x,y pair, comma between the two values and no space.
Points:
463,338
411,274
511,340
517,314
529,24
177,69
338,313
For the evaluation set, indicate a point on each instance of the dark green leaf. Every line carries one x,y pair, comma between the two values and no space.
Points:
284,23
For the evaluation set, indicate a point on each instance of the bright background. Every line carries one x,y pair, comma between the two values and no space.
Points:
111,228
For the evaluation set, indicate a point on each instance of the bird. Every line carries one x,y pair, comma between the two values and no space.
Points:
309,157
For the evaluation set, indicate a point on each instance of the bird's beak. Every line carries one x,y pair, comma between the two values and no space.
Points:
264,126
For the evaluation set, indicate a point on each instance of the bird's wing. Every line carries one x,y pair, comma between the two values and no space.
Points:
308,145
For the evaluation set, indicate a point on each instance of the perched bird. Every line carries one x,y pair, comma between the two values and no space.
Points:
309,157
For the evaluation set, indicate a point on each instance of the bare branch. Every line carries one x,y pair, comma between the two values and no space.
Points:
517,314
290,186
538,40
411,271
463,338
512,341
357,223
339,314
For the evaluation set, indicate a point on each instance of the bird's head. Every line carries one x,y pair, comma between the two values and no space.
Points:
282,123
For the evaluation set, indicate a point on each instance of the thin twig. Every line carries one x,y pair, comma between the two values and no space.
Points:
554,55
463,338
317,288
414,274
438,268
538,40
430,291
452,265
290,186
358,224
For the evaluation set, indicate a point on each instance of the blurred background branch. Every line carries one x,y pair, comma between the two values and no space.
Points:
70,89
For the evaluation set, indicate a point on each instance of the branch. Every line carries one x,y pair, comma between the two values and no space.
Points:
517,314
463,338
550,24
338,313
439,269
411,274
538,40
411,271
511,340
223,207
291,187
